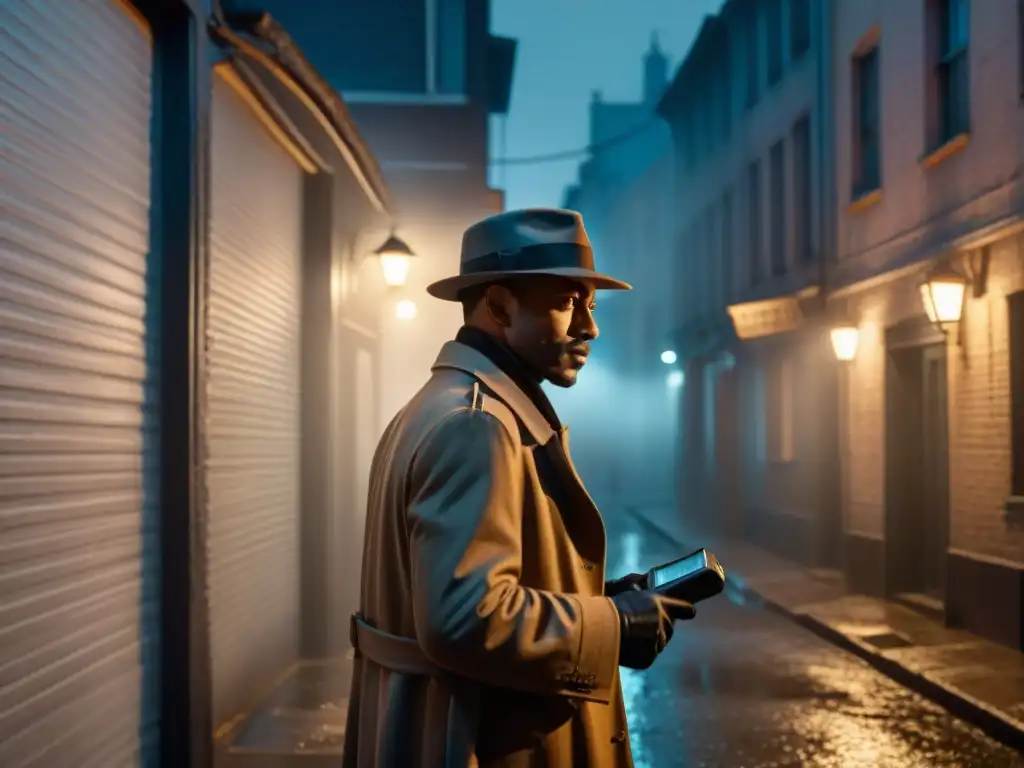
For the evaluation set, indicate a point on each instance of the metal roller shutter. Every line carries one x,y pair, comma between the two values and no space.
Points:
252,415
76,622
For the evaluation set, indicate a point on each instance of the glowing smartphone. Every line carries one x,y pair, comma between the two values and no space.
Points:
693,578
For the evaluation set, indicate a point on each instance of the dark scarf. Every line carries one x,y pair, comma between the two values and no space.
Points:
512,366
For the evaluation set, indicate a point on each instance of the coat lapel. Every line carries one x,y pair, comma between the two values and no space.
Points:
579,512
464,358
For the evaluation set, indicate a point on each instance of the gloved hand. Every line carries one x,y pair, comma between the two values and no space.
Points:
645,622
633,581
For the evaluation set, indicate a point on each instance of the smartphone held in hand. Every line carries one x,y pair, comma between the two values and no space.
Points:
693,578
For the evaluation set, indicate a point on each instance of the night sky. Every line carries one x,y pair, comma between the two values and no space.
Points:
568,48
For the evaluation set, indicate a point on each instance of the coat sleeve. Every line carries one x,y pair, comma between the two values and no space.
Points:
472,615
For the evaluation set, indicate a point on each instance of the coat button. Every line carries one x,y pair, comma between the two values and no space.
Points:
619,737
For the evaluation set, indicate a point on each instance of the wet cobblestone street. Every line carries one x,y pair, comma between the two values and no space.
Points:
740,687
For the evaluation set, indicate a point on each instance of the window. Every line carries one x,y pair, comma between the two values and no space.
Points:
1016,308
866,127
1020,46
725,92
773,20
800,27
777,206
802,203
711,273
449,72
727,255
753,56
397,50
754,222
951,87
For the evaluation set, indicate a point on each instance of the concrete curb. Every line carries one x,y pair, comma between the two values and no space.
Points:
991,721
994,723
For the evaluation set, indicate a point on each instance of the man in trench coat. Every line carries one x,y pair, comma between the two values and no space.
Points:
487,635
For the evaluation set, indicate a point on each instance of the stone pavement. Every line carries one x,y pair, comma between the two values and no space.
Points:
979,681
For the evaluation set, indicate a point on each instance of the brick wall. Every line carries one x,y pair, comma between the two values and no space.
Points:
979,408
925,212
979,387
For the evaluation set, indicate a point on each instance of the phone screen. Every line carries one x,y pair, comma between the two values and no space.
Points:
679,569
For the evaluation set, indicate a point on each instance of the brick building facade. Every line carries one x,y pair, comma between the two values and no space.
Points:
902,466
749,115
930,151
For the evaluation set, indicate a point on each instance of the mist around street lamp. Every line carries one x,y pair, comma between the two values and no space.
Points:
405,309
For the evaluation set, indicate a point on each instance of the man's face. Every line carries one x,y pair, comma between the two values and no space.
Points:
550,324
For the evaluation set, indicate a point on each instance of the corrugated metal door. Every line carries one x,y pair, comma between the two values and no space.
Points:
252,427
74,511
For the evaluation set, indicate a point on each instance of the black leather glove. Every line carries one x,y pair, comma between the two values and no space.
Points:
645,622
633,581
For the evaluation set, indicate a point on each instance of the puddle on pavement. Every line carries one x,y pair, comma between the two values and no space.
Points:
755,680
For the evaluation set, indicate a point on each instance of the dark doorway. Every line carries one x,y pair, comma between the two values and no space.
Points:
917,469
833,391
728,457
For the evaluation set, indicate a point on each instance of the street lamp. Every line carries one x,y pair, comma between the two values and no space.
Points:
395,256
845,340
942,294
668,357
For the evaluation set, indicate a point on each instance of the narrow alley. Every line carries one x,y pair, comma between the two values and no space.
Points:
739,687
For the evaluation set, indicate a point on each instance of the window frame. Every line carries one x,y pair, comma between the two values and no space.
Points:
775,42
431,94
727,256
752,57
777,261
950,73
803,198
1020,48
866,167
800,32
755,233
1015,324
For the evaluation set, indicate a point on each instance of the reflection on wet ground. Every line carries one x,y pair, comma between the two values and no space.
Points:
743,688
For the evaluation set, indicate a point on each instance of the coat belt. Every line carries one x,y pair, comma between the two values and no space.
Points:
394,653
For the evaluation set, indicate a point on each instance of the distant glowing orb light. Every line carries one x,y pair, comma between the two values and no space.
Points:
675,379
668,357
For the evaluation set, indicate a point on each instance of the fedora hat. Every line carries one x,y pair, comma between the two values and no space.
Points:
533,241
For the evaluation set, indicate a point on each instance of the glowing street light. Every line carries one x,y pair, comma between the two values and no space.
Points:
942,295
675,379
845,340
668,357
405,309
395,257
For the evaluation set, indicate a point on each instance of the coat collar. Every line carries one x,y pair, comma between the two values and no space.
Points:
464,358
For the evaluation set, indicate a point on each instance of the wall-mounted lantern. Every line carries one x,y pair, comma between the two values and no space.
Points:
942,294
845,340
395,257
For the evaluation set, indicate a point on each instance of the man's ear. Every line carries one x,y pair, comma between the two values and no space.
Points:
498,300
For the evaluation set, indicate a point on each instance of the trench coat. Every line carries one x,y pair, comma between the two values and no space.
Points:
484,568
